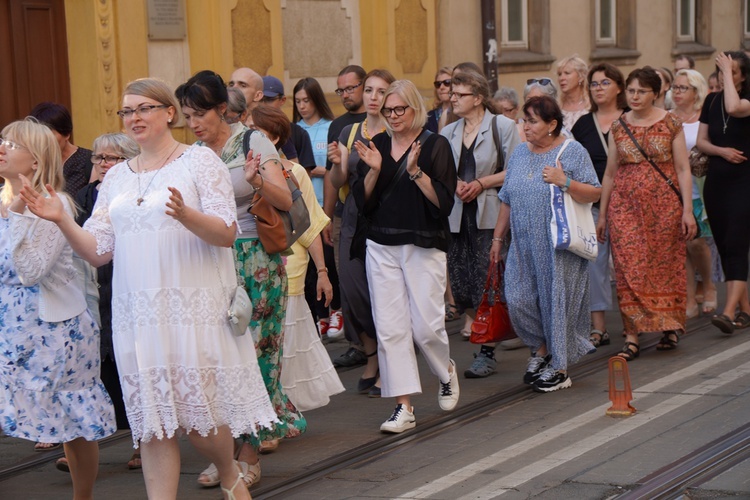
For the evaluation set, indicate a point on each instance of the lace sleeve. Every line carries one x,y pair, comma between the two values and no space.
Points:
99,224
214,185
36,245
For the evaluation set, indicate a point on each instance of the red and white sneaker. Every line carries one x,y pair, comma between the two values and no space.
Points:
323,327
335,325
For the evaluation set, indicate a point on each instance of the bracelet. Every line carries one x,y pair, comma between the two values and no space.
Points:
416,175
566,186
480,184
497,239
262,181
323,270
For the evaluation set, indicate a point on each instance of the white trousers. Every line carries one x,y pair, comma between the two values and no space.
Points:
406,285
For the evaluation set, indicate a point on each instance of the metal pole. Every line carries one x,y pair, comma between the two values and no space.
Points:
489,42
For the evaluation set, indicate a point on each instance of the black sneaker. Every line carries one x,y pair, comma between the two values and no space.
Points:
534,368
352,357
551,380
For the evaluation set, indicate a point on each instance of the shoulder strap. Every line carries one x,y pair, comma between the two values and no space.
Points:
498,145
402,168
640,149
599,133
559,153
246,141
352,135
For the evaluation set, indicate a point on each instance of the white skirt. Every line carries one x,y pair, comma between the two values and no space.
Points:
307,374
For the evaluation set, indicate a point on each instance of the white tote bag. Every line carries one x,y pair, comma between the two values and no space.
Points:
572,226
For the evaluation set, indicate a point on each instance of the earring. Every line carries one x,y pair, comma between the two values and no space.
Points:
549,133
169,121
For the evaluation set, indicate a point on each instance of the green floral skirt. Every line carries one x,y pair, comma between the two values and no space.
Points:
265,280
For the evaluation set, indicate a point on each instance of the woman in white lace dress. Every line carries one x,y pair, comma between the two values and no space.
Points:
169,215
50,389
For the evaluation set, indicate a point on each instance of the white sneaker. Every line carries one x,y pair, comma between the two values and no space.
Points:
448,393
335,325
400,421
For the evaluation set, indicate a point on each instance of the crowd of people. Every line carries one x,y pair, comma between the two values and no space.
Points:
118,265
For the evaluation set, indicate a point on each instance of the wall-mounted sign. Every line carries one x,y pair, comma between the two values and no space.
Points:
166,20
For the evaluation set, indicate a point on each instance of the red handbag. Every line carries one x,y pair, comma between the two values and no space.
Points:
492,322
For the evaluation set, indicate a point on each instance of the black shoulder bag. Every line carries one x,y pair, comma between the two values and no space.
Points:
656,167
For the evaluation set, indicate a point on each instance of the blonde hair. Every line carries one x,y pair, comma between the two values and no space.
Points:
580,67
158,90
695,80
38,139
407,91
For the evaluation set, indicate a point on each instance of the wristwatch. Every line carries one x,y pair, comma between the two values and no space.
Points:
566,186
416,175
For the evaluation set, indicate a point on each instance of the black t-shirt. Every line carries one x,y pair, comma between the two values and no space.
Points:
584,131
337,125
299,146
407,216
736,135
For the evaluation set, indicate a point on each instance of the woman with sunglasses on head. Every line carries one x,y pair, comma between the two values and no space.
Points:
50,391
480,155
606,87
437,117
203,99
536,87
405,186
689,90
723,135
571,77
649,218
170,216
355,295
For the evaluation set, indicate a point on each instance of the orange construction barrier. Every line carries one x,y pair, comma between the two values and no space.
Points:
619,388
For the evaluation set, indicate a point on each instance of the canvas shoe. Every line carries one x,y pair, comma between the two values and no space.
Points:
335,325
483,366
323,327
534,368
551,380
448,393
401,420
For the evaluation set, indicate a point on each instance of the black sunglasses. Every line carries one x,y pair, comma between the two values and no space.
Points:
444,83
541,81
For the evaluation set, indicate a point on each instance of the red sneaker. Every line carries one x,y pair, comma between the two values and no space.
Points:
336,325
323,326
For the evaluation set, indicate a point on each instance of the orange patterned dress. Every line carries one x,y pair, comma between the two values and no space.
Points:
645,229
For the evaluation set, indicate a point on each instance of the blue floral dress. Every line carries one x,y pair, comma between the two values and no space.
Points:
547,290
50,389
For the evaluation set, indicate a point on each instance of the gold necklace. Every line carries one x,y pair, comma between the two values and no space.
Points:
141,194
365,133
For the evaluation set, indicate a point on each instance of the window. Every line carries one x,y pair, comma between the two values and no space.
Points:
606,22
746,19
685,21
515,24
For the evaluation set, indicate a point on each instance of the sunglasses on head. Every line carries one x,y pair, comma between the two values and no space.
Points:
541,81
444,83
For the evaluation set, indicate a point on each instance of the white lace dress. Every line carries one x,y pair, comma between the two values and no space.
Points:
180,366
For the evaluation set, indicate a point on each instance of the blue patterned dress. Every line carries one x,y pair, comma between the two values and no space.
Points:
50,389
547,290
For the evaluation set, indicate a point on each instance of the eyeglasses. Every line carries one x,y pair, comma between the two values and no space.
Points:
347,90
144,110
13,146
541,81
444,83
97,159
680,89
603,84
398,111
458,95
639,92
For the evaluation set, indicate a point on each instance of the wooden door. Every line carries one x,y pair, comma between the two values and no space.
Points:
33,56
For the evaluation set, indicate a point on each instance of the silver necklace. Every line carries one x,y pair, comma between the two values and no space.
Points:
725,122
142,194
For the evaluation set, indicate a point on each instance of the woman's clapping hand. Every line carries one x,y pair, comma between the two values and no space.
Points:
370,155
49,208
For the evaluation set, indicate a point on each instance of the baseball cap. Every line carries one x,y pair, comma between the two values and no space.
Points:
272,87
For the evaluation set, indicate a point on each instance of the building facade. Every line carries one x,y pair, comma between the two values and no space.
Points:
83,52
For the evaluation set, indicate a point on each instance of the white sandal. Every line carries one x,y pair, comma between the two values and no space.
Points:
251,473
212,474
230,492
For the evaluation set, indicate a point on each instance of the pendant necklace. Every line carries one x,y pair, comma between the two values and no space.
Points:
725,122
141,194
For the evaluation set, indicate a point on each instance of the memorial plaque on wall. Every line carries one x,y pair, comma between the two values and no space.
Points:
166,20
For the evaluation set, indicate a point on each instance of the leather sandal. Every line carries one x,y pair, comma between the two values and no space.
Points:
669,341
598,337
629,354
230,491
723,323
451,312
135,461
742,320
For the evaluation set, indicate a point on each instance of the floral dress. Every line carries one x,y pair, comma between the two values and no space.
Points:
50,389
547,290
644,220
